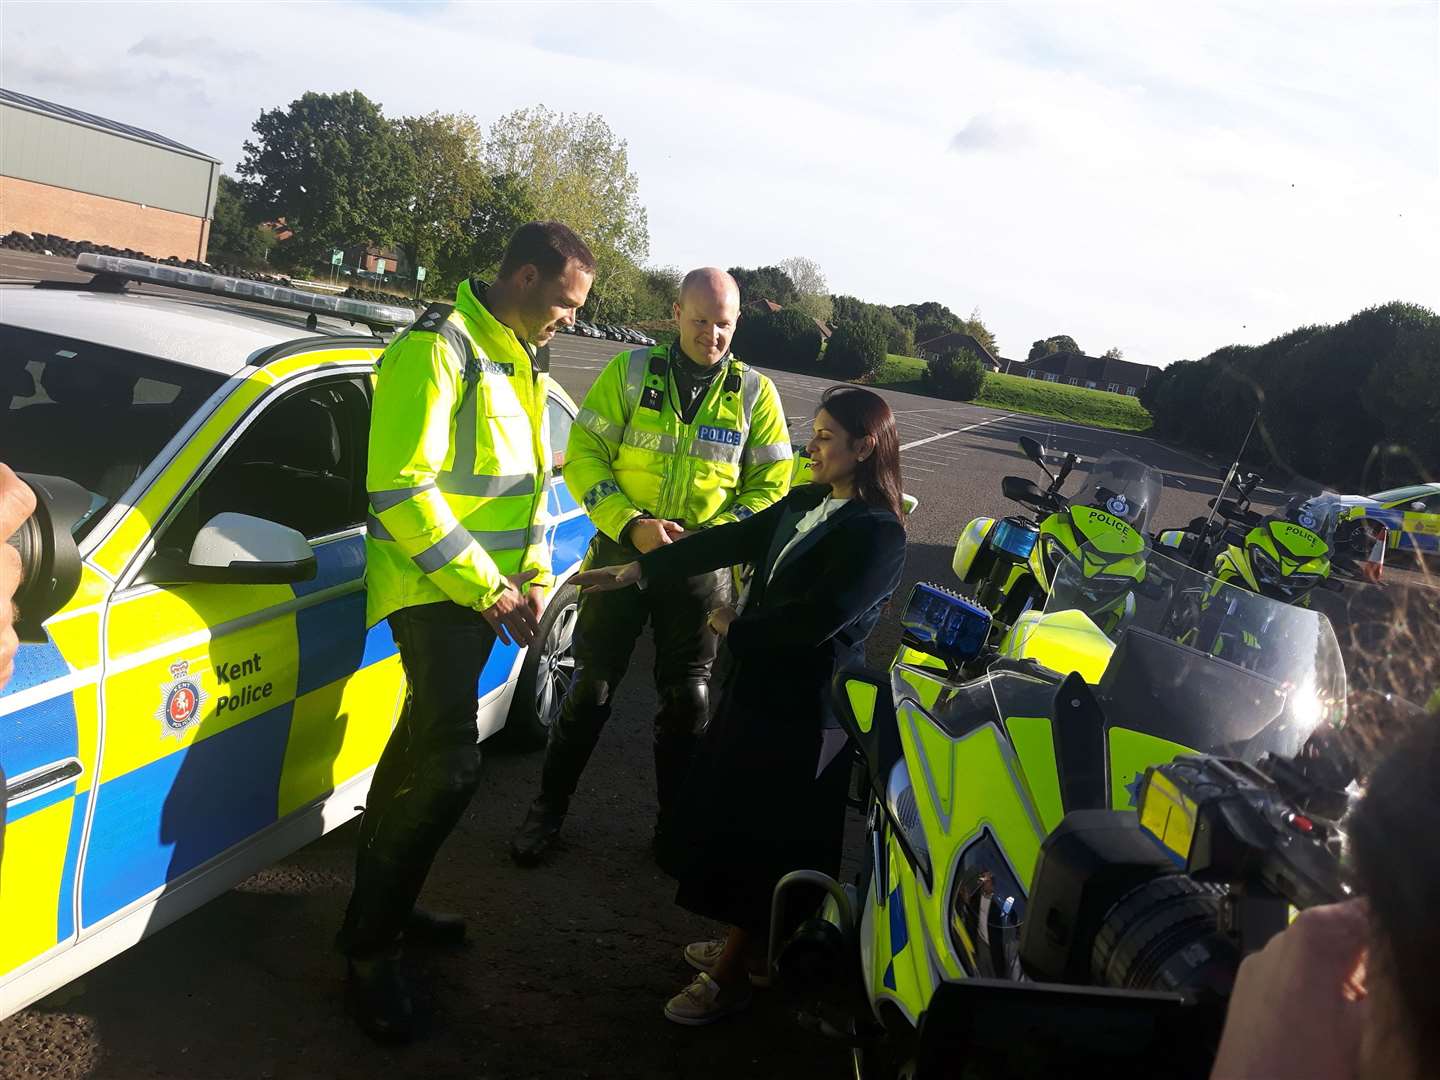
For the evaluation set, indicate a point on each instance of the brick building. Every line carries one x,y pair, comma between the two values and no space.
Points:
74,174
1095,372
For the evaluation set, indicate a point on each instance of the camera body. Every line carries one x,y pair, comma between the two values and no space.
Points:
49,558
1243,843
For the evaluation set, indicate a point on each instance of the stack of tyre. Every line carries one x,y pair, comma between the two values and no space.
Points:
50,244
371,296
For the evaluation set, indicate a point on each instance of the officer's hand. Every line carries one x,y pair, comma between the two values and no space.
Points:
17,503
647,534
608,578
720,619
511,616
1298,1008
535,597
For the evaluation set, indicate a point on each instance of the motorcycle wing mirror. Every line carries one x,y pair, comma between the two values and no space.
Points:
1019,489
1036,453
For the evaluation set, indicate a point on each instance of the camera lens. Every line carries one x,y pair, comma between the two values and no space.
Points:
26,540
49,559
1164,935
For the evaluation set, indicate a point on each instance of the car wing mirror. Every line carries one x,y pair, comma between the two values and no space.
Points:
237,549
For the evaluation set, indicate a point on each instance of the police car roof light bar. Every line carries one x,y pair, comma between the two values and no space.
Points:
375,316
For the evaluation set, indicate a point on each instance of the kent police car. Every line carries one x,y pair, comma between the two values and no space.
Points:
208,698
1411,514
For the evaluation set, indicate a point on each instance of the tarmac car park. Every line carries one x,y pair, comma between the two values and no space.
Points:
192,713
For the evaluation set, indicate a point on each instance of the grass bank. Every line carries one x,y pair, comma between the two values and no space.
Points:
1059,401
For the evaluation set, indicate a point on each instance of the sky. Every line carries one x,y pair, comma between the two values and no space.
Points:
1167,179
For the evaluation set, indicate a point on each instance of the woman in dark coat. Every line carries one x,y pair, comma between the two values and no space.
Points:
767,792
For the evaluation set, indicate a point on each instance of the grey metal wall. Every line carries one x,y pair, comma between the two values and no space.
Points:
47,150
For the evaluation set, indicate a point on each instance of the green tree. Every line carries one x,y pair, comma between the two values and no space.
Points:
1114,352
500,207
334,168
814,294
233,236
1058,343
856,348
574,169
447,182
785,339
765,283
957,374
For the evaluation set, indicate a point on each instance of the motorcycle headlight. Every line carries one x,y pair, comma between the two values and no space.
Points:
905,815
1051,552
986,912
1267,570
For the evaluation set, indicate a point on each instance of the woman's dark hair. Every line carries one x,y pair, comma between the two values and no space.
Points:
864,412
1398,866
548,246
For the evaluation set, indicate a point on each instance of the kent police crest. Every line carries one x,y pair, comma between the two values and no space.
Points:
182,699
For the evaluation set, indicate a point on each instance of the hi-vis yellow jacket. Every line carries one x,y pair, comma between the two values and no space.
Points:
458,463
630,451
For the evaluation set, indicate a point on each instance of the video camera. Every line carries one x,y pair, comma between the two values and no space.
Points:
1137,922
49,559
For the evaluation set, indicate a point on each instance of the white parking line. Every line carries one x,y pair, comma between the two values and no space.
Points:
957,431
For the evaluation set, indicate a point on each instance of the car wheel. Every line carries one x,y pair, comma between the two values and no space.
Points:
546,675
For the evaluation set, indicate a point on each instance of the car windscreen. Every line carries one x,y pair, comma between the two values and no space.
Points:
91,414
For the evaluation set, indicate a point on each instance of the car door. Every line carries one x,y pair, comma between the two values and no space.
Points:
230,706
1420,528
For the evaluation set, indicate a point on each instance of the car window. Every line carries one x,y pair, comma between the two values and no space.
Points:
93,415
300,463
560,423
1397,494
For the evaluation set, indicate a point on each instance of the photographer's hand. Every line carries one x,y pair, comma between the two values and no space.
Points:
1298,1008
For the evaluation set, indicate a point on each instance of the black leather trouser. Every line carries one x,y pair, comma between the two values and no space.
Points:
606,630
427,774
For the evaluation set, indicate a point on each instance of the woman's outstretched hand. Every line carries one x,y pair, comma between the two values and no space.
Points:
608,578
720,619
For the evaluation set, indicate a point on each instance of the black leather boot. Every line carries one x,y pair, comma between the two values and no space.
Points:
378,999
434,928
537,833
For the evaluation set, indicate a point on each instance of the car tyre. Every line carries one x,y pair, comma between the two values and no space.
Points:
546,674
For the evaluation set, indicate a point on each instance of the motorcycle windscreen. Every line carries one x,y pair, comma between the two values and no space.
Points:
1118,484
1200,664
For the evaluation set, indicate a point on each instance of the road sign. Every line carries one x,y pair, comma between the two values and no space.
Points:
420,273
380,266
336,257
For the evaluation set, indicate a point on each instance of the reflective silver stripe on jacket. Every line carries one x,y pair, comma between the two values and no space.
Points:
384,500
458,539
598,426
445,550
635,372
765,455
709,451
486,487
658,441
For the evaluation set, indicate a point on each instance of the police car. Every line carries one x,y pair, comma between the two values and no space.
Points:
208,698
1411,514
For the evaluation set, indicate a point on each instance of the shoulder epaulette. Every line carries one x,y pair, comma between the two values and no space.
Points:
432,319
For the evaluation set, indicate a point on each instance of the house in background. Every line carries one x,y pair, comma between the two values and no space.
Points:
1093,372
938,346
762,306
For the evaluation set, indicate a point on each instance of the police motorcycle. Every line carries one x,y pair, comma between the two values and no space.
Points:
1067,856
1010,563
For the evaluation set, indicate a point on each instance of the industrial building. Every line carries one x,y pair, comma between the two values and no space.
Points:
77,175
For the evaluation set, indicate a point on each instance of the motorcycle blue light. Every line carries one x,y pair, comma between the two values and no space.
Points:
944,625
1014,538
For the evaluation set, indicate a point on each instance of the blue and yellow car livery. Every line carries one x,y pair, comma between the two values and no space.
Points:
167,740
1411,514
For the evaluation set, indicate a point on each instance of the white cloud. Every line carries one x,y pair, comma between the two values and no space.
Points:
1119,172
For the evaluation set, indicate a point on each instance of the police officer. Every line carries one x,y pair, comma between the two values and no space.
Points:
669,440
456,558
